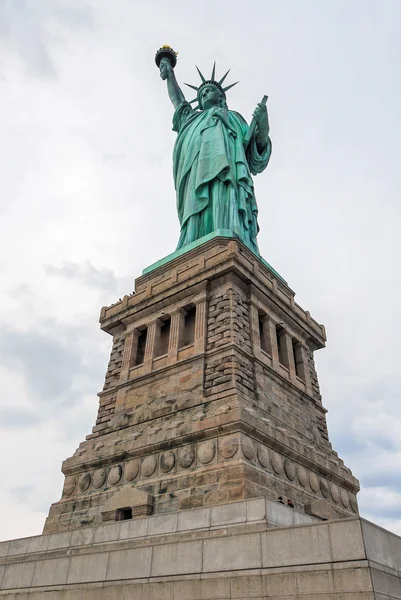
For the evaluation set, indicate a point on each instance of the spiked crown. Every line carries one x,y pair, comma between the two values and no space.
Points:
211,81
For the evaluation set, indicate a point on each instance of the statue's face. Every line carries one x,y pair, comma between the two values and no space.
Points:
209,96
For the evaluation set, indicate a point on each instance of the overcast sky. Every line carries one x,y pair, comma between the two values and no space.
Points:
87,201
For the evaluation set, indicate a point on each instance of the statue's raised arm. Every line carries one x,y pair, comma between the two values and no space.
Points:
174,90
215,155
166,59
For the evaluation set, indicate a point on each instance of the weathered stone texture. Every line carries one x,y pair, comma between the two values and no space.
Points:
114,366
219,370
219,323
210,416
241,323
251,549
313,376
107,401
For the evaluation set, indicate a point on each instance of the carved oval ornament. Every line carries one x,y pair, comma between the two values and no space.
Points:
248,448
335,492
84,482
314,482
115,475
344,499
263,456
131,469
69,485
354,504
206,451
228,446
289,469
277,463
98,479
167,461
186,456
302,476
324,488
149,465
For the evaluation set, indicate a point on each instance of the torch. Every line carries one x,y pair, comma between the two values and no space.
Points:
168,53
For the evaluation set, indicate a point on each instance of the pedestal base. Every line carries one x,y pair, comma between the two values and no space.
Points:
250,549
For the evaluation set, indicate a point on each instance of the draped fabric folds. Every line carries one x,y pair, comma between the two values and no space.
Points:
212,174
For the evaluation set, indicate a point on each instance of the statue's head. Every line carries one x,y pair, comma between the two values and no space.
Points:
210,92
210,95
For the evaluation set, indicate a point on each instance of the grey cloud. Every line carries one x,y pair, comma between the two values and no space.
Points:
12,418
353,446
380,512
28,494
350,446
22,492
26,30
381,503
51,365
86,273
382,443
375,479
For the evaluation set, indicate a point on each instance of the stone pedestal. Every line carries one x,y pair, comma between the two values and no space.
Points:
248,549
211,396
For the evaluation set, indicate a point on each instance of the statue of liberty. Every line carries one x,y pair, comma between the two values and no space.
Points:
215,155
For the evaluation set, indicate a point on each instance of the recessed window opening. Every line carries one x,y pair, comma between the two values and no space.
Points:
264,334
188,336
282,354
298,359
164,337
123,514
140,352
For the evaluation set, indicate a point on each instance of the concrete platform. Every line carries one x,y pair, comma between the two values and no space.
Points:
249,549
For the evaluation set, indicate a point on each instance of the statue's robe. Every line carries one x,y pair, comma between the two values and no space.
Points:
212,174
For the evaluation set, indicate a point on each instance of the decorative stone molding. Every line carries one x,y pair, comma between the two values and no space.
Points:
150,346
289,469
248,448
167,461
131,469
206,451
354,504
98,479
115,474
149,465
186,456
263,456
228,446
84,482
176,326
302,476
324,488
335,493
314,482
200,326
277,463
344,499
70,484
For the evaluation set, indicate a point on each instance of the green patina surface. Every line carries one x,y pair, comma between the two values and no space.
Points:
226,233
215,156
